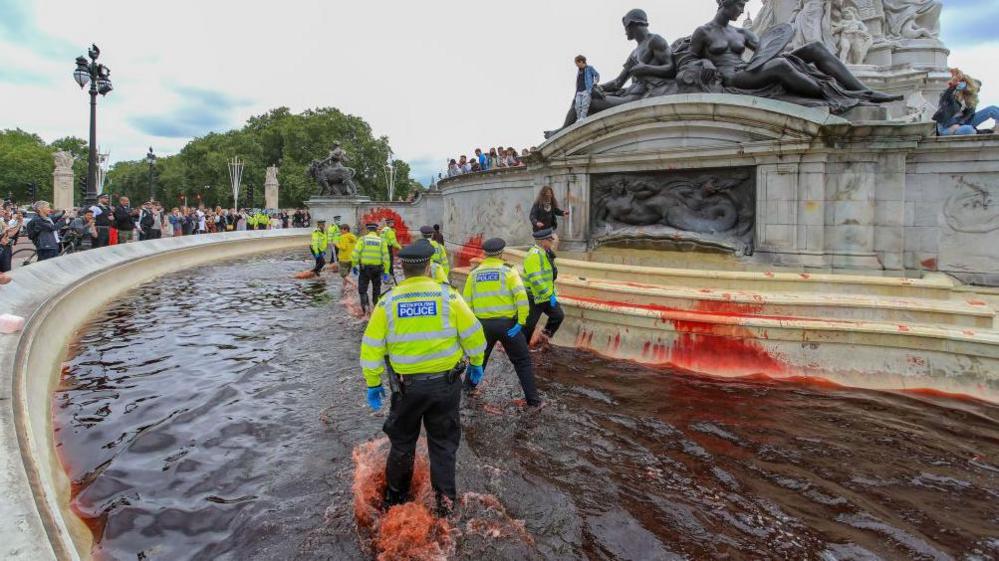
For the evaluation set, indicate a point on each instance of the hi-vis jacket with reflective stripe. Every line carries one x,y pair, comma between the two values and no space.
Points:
424,327
388,234
440,257
539,275
333,234
437,273
319,243
494,290
371,250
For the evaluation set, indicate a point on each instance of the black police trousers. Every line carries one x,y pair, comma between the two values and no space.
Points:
320,263
516,348
555,318
369,274
434,403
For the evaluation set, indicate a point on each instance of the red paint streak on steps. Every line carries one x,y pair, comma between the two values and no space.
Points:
401,228
471,249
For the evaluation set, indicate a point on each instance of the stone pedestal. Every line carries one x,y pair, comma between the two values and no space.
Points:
62,181
271,189
349,209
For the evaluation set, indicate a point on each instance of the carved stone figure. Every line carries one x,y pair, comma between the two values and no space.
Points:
63,161
852,37
810,75
912,19
812,23
270,176
334,179
714,208
648,71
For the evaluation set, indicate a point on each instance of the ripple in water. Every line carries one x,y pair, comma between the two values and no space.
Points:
219,413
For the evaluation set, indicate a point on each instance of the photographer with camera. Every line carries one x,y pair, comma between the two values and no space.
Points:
43,230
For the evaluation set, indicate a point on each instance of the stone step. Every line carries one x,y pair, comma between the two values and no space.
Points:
934,285
786,305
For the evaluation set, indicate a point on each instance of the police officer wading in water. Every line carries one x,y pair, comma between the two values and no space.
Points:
498,299
422,329
371,263
539,276
318,246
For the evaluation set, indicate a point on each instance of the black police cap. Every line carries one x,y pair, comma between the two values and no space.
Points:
544,234
371,226
427,231
494,246
416,253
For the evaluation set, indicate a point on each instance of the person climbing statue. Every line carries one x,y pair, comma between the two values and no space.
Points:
417,337
540,274
499,301
371,260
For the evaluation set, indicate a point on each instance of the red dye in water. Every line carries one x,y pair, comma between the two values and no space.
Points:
472,249
406,532
401,229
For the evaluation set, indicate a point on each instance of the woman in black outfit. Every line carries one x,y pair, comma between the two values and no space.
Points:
545,209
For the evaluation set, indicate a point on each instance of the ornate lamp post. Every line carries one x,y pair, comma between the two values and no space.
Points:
151,160
99,77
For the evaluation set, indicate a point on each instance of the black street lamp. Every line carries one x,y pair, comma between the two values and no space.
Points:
99,77
151,160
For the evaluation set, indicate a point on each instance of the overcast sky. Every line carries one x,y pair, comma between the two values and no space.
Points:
438,77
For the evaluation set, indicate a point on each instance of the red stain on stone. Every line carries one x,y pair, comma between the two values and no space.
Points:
929,264
968,332
401,229
768,274
806,276
977,303
904,328
471,249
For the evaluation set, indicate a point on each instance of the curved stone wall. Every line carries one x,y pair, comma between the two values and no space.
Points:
56,297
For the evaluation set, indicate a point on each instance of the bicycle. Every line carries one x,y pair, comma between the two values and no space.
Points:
70,244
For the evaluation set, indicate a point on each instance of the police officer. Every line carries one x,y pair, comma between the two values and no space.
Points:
318,246
539,276
371,261
440,254
333,239
497,297
388,234
422,329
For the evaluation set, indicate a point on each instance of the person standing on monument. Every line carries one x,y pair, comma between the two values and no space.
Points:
586,79
371,259
545,210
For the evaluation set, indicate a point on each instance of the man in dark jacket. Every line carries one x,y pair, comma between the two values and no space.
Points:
43,231
124,221
104,221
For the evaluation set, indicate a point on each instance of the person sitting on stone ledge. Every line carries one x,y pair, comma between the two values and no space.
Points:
957,113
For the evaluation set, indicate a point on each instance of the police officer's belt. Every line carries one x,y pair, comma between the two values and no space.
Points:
416,378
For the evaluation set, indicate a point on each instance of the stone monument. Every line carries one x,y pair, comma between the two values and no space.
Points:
62,181
893,45
271,188
337,194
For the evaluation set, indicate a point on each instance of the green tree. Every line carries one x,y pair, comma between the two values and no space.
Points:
24,159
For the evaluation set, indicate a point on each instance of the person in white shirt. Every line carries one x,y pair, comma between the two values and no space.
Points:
202,225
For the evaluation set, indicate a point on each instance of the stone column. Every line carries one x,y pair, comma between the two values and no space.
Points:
62,181
271,188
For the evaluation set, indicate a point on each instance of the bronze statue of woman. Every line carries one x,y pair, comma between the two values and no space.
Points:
649,67
811,71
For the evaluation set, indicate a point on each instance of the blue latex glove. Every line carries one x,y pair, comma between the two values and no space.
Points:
375,396
513,331
474,374
385,277
355,271
553,301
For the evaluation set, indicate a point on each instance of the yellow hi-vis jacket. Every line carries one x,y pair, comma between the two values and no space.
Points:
264,221
333,234
424,328
437,273
388,234
319,242
539,276
494,290
346,246
440,257
371,250
251,221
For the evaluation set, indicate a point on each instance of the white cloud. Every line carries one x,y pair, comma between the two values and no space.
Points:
439,77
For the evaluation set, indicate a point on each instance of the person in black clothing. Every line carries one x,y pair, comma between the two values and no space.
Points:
103,217
8,240
958,112
545,210
43,230
124,221
298,219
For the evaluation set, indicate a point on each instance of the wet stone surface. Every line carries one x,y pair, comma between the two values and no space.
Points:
215,414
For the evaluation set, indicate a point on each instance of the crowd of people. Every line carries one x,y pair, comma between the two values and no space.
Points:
485,160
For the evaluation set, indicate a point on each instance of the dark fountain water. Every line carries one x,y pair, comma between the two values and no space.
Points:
217,414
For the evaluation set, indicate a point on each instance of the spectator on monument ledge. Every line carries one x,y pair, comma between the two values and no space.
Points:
958,113
586,78
475,167
452,168
493,159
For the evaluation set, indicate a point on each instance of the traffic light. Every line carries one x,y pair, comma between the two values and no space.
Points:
32,191
249,196
83,189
